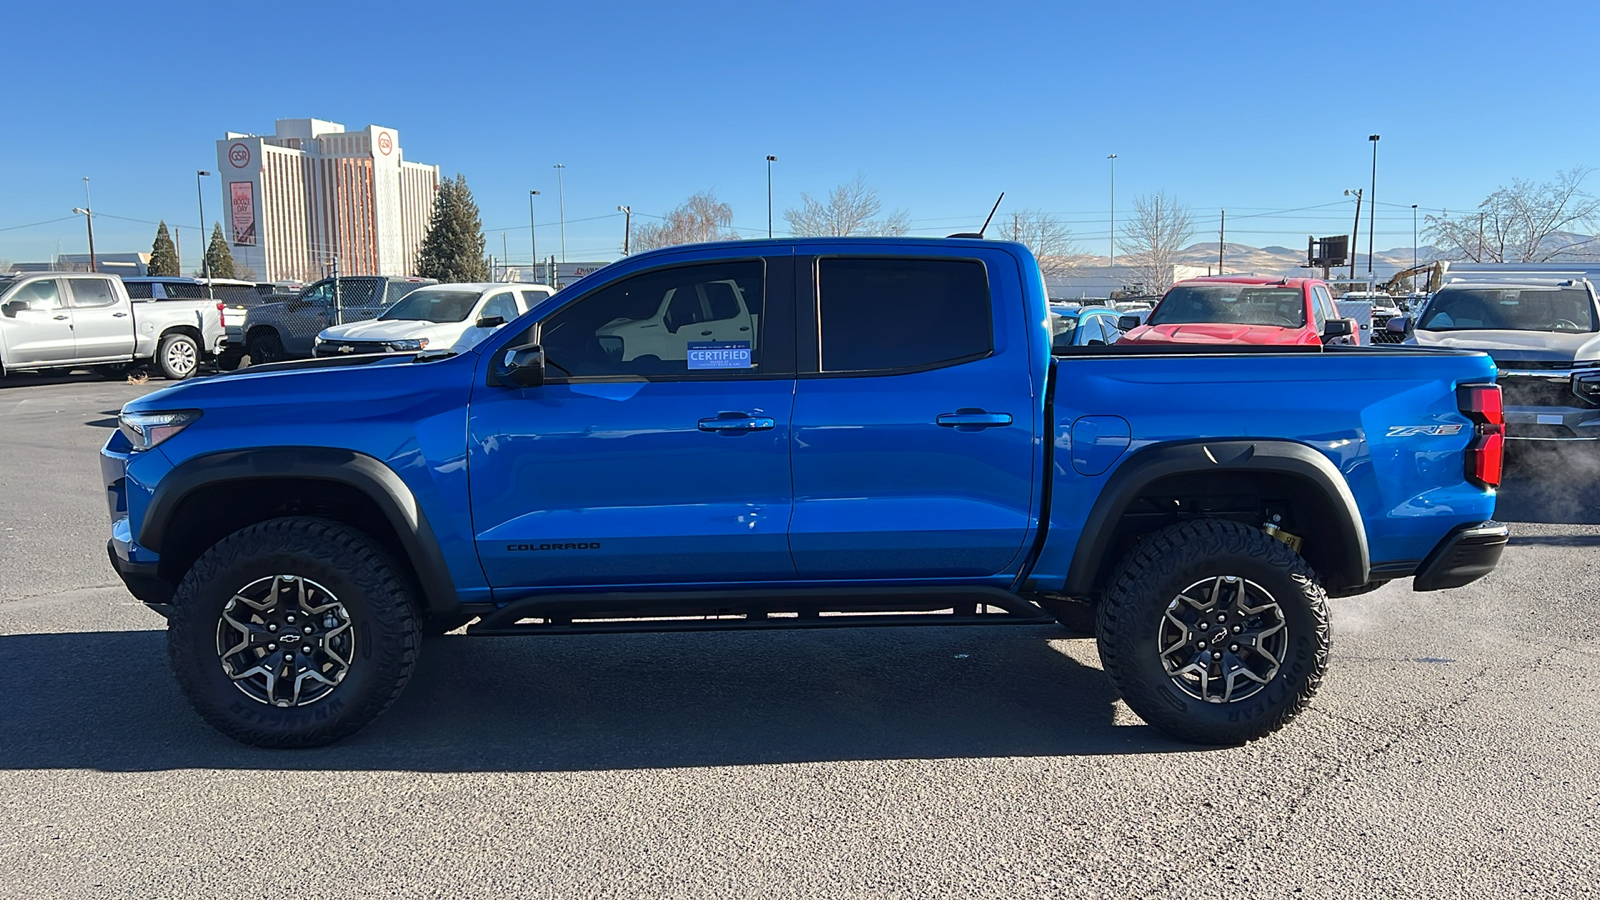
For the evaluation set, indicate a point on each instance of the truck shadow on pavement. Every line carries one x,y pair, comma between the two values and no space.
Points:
105,700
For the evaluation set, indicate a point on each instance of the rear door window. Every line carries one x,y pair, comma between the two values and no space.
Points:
884,314
88,293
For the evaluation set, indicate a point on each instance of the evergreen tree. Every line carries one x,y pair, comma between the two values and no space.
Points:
453,247
219,259
163,255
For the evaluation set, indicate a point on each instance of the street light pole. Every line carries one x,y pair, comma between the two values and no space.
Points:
561,194
770,160
205,268
1113,158
533,237
88,216
1372,204
627,226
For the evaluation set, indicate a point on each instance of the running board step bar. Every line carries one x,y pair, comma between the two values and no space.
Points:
732,610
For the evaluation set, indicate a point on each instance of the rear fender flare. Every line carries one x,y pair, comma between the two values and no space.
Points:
1242,456
357,470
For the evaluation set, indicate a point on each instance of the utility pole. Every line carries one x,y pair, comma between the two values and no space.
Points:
627,226
1355,233
1113,158
205,264
1413,246
88,216
505,255
1372,207
1222,240
770,160
1480,238
561,194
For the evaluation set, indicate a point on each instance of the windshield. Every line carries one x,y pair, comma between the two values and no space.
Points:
432,306
1510,309
1232,304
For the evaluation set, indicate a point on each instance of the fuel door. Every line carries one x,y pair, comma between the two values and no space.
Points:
1097,441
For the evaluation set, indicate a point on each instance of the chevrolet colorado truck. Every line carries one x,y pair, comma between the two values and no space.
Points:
68,320
891,442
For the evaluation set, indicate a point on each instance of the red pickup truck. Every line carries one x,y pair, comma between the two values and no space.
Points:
1243,309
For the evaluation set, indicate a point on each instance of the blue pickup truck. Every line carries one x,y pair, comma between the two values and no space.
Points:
797,434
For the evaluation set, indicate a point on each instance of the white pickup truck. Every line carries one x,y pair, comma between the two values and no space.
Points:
69,320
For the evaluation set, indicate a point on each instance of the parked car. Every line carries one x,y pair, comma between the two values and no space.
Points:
276,331
894,443
435,316
53,320
1544,334
1083,326
1243,310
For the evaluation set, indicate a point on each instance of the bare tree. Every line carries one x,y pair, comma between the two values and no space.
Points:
701,218
850,209
1042,233
1522,223
1159,229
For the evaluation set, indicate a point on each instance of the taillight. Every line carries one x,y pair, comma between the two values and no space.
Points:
222,314
1483,404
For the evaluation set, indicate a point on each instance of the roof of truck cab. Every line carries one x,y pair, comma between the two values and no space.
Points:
1249,279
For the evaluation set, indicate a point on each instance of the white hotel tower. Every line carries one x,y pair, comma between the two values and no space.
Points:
296,200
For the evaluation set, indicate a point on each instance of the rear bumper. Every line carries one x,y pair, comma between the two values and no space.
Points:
1465,555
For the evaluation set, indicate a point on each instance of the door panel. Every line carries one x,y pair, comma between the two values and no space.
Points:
37,324
101,324
617,483
911,471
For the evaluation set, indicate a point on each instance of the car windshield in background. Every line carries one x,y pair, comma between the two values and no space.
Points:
1231,304
6,281
1510,309
432,306
1060,325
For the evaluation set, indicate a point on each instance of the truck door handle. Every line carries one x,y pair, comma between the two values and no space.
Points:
737,422
118,315
973,418
705,334
61,318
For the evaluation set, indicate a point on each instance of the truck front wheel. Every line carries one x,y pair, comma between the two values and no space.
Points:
293,633
265,347
1214,632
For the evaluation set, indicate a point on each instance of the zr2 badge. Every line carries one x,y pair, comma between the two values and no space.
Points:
1398,431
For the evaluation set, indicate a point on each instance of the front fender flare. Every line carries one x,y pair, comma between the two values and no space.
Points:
357,470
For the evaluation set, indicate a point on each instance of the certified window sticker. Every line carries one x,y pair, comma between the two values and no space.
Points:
720,355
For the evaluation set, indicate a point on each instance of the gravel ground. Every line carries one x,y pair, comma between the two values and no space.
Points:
1451,751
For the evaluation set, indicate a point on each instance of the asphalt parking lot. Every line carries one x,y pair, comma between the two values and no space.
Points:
1451,752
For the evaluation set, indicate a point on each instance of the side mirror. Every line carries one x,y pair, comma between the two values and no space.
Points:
489,322
523,366
11,309
1398,325
1336,328
1128,323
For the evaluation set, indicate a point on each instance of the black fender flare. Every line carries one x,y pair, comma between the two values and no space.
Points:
357,470
1148,465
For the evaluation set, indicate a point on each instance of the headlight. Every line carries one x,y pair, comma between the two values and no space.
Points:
1588,387
318,342
147,429
418,344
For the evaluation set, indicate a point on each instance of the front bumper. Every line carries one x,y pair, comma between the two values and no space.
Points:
142,580
1465,555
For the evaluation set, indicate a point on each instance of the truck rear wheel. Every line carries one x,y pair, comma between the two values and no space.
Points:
178,356
1214,632
294,632
265,348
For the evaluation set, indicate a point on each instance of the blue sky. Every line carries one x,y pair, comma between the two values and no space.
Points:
939,106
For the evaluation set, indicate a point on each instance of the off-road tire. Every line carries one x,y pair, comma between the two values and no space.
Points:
266,348
1152,575
354,568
